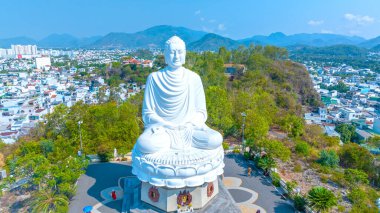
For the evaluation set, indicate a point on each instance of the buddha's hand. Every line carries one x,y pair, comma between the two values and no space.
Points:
169,125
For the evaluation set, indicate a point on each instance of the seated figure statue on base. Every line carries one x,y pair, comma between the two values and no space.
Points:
176,149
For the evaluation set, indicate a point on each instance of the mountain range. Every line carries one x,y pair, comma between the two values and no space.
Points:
155,37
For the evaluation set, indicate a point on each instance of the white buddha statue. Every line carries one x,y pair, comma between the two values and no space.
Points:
176,149
174,107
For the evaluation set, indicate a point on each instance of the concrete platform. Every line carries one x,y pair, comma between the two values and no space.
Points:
222,202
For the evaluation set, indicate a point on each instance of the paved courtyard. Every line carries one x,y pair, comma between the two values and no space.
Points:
250,193
268,198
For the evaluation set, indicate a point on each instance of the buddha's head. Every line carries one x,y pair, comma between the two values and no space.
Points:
175,52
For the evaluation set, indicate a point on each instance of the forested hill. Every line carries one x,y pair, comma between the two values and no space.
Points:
267,86
338,54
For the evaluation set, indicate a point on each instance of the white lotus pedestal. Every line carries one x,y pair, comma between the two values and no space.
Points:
179,179
184,199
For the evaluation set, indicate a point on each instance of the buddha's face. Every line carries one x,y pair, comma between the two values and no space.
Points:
175,55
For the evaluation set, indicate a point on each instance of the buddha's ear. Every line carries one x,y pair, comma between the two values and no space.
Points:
166,55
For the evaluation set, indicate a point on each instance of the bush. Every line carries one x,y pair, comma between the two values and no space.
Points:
300,203
276,179
339,178
355,176
236,150
104,155
328,158
321,199
302,148
357,196
341,208
226,146
247,155
324,178
356,157
290,186
297,168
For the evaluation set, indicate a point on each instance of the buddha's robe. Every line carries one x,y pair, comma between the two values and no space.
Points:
174,113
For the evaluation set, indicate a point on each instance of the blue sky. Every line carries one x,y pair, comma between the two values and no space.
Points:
236,19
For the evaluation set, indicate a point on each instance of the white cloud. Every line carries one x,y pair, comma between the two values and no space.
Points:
327,31
359,19
202,19
315,22
197,12
221,27
212,21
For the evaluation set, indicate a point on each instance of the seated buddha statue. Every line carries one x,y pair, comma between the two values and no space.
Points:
174,107
176,149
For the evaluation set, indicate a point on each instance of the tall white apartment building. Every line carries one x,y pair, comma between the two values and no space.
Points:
24,49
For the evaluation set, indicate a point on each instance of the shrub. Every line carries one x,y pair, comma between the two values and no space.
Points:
104,155
302,148
236,150
300,203
341,208
339,178
247,155
328,158
266,163
357,196
324,178
290,186
297,168
226,146
276,179
355,157
321,199
356,176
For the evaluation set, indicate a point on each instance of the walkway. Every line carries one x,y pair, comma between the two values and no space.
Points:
252,192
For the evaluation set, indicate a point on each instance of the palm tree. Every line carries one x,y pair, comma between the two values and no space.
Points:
300,203
321,199
49,202
266,163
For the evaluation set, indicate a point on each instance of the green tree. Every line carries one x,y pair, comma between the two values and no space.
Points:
347,132
328,158
293,125
218,108
257,126
356,157
321,199
159,62
274,149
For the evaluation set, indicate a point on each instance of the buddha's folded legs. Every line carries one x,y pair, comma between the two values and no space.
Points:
153,141
206,138
157,139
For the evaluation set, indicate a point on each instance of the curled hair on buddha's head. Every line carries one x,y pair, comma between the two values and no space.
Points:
174,40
